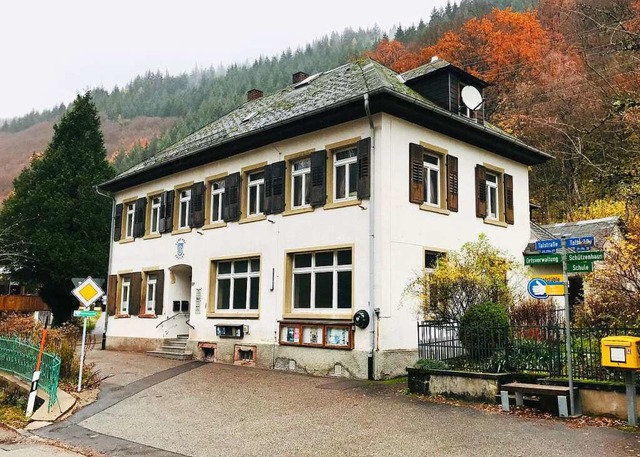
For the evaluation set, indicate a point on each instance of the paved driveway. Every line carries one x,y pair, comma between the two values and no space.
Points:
199,409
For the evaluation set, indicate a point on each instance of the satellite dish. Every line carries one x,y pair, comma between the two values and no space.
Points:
471,97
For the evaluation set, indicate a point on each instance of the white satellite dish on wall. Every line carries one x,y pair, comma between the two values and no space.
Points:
471,97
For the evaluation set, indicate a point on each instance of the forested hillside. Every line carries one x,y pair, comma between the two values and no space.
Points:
564,77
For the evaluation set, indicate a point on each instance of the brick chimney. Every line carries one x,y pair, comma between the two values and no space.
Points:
299,77
254,94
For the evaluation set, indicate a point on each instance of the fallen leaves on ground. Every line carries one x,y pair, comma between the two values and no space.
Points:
533,413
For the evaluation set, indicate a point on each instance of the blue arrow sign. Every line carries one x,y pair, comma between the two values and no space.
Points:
547,251
583,241
547,244
537,288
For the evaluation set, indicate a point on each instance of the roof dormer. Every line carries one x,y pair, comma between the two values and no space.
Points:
444,84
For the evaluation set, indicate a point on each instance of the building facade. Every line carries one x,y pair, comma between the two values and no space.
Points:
285,234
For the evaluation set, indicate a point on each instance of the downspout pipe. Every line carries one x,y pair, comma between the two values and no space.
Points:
113,215
372,306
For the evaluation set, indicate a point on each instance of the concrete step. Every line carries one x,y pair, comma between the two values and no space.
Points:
171,355
183,336
173,350
177,343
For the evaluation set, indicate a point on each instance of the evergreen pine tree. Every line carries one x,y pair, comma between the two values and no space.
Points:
55,214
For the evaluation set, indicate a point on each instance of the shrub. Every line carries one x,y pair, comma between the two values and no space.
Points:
533,312
430,364
484,329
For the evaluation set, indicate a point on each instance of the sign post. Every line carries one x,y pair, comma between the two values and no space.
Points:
541,287
87,292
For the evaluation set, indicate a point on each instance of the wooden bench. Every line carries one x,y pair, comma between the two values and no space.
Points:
561,392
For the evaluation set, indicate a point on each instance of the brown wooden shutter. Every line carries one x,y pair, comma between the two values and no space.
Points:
139,217
196,208
136,292
452,183
416,173
364,168
481,191
112,293
268,190
231,197
159,291
117,222
319,178
508,199
278,171
166,211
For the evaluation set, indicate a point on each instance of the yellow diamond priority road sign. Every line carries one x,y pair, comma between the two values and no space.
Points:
88,292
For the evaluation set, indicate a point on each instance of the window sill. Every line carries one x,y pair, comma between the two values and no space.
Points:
434,209
152,236
214,225
247,220
181,231
291,212
147,316
342,204
343,316
238,315
122,316
496,223
127,240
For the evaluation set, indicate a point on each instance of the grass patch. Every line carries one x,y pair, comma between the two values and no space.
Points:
393,381
13,416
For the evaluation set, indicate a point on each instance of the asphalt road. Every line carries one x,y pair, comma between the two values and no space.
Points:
197,409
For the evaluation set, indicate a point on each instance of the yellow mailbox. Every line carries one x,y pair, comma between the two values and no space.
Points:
621,352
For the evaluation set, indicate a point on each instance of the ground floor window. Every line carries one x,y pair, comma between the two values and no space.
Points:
125,295
237,284
332,336
322,280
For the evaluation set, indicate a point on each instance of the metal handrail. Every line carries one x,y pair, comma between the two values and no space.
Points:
168,319
189,320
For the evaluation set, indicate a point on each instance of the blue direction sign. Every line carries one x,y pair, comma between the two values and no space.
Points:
547,251
543,245
582,248
583,241
537,288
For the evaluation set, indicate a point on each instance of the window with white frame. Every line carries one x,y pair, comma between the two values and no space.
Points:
125,295
150,306
154,215
183,208
492,196
345,172
217,189
432,179
301,182
131,211
255,194
237,284
322,280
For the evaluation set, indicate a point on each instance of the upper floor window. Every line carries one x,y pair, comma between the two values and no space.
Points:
493,210
156,202
255,194
301,182
217,190
432,179
345,172
494,195
131,210
183,208
322,280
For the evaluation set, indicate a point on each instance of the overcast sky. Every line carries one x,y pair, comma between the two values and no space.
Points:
53,50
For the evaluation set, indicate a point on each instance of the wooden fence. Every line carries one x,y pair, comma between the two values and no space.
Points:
22,303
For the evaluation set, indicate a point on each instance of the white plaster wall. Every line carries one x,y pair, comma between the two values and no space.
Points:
322,227
403,231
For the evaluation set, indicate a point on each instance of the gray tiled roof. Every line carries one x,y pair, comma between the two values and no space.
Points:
601,229
425,69
329,89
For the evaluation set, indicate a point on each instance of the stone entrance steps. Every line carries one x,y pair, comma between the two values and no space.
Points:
173,348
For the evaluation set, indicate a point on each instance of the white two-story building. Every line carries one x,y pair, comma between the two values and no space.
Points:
285,233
